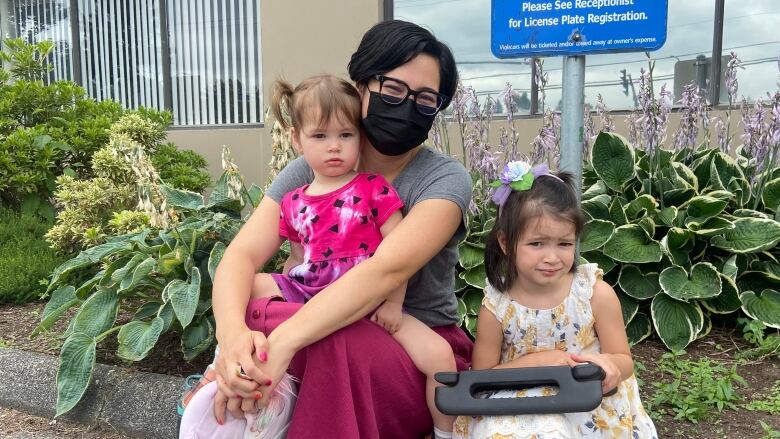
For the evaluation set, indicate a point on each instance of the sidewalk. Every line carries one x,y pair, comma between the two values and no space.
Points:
138,404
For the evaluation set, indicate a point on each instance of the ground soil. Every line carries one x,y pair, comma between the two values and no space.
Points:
16,323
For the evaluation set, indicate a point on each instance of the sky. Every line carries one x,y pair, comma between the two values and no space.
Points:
749,30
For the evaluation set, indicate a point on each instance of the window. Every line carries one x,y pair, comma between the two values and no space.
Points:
121,51
39,20
198,58
465,26
748,30
215,61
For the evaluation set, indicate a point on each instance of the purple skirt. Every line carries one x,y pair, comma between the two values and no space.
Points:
305,280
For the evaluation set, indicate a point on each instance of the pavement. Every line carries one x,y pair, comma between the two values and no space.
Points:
136,404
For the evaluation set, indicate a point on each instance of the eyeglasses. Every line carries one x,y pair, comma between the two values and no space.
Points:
395,92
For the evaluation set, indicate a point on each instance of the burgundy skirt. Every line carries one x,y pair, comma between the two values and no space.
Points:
358,382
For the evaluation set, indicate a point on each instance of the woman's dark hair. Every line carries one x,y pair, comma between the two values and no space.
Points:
392,43
548,195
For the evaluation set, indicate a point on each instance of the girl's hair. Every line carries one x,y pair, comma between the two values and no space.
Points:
547,195
316,100
393,43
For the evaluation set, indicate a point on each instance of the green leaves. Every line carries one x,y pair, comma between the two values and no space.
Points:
637,284
676,322
184,297
652,212
182,198
77,358
765,307
595,234
703,282
97,314
631,244
137,338
613,160
750,235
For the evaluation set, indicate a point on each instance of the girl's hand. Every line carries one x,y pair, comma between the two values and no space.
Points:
552,358
612,373
388,316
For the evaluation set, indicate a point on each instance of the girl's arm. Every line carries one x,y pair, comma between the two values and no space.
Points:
490,338
389,314
615,357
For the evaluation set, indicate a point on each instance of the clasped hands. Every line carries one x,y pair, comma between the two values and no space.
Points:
248,369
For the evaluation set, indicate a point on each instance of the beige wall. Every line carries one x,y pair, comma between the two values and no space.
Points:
300,38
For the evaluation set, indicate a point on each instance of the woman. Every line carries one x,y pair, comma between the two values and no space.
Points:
356,381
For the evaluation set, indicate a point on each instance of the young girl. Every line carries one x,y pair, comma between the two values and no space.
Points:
541,309
339,219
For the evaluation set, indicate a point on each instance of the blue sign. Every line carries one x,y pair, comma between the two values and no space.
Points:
527,28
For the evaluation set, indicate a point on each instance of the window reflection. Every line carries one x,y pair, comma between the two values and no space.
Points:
465,26
750,30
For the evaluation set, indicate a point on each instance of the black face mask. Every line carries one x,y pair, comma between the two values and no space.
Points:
395,129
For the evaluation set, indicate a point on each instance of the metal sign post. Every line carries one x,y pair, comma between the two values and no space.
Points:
573,28
572,117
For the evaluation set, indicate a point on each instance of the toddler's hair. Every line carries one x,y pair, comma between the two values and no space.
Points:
547,195
316,100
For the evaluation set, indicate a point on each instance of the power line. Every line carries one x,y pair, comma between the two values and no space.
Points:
495,75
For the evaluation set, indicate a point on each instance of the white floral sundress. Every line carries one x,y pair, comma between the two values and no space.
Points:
568,327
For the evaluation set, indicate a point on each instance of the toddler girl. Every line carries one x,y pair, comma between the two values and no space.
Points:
541,309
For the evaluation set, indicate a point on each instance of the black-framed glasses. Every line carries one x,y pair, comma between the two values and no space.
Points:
395,92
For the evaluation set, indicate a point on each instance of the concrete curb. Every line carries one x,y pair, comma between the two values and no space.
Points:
136,404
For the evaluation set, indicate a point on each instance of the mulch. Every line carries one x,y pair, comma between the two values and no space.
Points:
17,321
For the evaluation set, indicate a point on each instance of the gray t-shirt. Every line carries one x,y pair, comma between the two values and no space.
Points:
430,293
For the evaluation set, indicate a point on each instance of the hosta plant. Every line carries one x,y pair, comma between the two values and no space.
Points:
681,237
163,277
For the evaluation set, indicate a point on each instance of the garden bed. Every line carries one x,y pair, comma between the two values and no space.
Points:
721,347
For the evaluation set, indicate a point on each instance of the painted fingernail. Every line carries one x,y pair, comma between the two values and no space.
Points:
268,382
258,396
220,422
263,356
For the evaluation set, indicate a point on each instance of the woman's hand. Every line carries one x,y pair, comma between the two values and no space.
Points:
612,373
238,374
279,356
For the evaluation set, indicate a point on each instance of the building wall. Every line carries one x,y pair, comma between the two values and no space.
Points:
300,38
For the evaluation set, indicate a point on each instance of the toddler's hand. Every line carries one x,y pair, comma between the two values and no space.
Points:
612,373
388,316
554,358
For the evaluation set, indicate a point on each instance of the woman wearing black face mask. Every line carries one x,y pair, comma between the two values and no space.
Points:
356,381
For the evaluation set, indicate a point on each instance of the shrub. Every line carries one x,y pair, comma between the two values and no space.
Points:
168,271
28,162
25,259
122,175
182,169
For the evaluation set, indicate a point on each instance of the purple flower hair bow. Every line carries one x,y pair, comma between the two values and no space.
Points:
519,176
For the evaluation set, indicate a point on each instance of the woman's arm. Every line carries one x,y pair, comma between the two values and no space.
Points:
256,242
427,228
